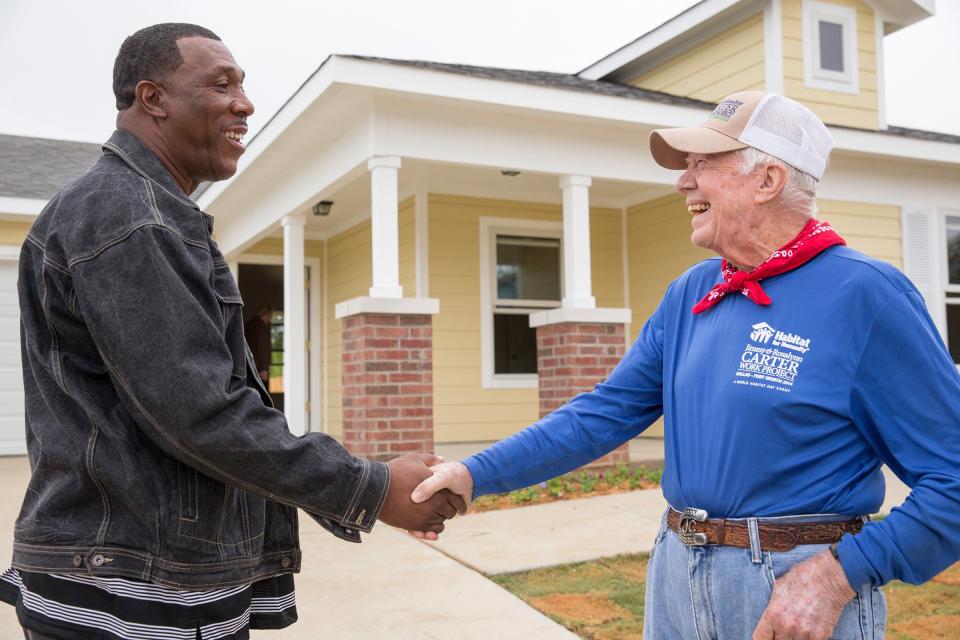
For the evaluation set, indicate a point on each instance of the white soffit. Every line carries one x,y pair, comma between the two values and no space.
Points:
698,23
897,14
16,207
894,146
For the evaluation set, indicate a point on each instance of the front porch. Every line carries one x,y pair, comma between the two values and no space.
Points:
458,387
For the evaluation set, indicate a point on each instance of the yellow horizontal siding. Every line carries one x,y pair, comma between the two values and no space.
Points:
349,274
407,248
833,107
463,409
606,252
14,233
873,229
730,61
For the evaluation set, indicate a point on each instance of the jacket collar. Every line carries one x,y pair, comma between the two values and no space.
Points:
132,151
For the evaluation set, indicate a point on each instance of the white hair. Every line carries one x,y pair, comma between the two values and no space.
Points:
800,192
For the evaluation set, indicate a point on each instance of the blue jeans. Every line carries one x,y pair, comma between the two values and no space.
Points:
719,593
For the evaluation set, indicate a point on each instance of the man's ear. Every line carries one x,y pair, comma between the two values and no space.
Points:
148,96
773,179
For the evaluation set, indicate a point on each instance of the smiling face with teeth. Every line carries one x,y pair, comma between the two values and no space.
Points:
201,114
725,216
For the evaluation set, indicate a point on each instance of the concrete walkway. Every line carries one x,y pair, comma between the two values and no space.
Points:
393,586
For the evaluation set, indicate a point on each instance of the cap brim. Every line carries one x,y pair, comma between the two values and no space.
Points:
670,147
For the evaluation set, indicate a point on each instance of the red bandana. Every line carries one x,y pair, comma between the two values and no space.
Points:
814,238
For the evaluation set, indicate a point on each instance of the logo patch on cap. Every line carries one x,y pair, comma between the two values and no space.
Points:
725,110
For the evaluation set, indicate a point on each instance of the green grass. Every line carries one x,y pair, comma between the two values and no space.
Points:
577,484
603,600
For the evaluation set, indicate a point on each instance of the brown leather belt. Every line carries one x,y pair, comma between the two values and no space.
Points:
695,529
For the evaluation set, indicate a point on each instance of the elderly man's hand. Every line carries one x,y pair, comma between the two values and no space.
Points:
426,516
806,602
447,476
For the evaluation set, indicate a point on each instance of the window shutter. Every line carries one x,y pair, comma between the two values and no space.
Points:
921,259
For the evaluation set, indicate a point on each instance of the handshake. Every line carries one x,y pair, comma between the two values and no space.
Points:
424,492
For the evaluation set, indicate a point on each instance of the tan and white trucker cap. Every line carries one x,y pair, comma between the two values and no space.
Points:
782,127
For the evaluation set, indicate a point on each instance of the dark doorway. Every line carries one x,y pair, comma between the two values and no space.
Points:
261,285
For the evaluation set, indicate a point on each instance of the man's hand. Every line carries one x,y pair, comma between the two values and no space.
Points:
806,602
448,475
264,374
427,516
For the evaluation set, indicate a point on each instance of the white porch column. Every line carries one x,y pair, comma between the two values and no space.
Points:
294,331
384,227
576,243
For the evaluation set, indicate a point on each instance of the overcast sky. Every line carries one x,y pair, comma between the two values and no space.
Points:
56,56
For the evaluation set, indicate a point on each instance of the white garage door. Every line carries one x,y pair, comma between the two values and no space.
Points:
12,438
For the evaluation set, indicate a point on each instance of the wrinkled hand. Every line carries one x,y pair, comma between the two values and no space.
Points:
426,516
806,602
447,476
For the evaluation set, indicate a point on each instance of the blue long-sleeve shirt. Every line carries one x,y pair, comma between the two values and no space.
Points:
781,410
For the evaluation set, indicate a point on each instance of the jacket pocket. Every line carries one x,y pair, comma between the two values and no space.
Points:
187,484
231,311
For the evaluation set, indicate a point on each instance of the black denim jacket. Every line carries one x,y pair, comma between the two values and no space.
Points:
154,449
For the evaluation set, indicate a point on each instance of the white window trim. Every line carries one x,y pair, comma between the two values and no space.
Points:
943,273
847,81
489,228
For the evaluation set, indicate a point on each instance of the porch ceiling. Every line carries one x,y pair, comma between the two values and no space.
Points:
352,201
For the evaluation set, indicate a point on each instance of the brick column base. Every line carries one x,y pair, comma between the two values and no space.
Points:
387,384
572,357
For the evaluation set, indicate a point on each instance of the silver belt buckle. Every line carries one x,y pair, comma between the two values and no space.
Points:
685,530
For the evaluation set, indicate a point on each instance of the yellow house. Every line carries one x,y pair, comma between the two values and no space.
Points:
450,251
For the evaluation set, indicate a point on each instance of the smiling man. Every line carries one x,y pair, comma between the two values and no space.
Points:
164,487
779,369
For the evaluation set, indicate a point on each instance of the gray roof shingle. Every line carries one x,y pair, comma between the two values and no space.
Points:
544,79
39,167
616,89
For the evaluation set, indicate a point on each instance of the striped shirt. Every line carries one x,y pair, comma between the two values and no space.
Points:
81,607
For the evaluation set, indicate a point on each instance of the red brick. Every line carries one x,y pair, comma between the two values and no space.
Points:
391,332
393,354
387,377
379,318
417,389
380,365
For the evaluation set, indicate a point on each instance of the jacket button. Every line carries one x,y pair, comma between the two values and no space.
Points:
77,560
285,563
97,560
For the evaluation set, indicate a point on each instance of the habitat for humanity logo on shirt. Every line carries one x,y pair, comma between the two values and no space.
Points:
773,360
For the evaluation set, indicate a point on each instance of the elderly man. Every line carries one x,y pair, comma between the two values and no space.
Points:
780,404
164,489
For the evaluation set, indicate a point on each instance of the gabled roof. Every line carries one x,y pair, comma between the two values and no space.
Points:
38,168
708,18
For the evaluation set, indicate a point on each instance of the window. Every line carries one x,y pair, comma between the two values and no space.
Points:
952,297
520,274
528,279
830,47
931,259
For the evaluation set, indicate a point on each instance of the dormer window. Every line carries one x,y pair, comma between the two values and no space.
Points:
830,47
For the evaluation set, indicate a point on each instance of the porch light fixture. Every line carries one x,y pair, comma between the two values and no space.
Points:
322,208
510,173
